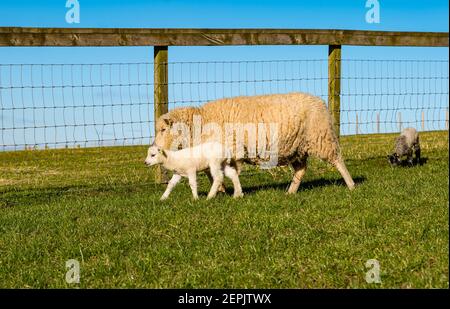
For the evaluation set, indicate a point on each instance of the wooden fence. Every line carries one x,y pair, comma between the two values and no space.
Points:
161,39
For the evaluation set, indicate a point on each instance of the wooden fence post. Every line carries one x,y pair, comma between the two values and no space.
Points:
446,120
334,85
423,121
161,95
357,124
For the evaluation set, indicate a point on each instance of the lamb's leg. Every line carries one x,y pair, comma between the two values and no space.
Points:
417,153
172,183
299,171
211,180
217,175
193,184
409,156
409,159
233,175
340,165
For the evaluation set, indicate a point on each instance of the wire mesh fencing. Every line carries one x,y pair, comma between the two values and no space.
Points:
385,96
106,104
70,105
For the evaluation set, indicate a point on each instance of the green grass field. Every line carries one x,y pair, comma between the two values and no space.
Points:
101,207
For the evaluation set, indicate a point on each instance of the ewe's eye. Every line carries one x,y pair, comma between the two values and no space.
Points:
163,129
152,155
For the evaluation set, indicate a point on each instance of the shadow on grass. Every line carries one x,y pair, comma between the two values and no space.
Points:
306,185
422,161
32,196
404,163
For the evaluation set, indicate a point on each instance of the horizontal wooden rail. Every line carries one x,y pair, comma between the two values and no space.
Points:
18,36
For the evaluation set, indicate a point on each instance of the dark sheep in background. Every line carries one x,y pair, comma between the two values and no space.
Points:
406,144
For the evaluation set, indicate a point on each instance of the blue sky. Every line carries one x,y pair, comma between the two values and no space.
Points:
400,15
407,15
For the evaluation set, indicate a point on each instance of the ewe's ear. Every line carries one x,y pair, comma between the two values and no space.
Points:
167,120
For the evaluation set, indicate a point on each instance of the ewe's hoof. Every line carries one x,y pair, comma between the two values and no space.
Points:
163,198
239,195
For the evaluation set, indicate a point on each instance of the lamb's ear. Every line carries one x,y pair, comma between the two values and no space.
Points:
163,152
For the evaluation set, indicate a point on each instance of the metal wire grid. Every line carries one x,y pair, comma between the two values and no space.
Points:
384,96
194,83
71,105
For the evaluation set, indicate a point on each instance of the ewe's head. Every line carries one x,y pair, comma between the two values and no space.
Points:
164,137
155,155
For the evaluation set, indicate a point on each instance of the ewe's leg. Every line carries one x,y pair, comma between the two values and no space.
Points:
172,183
238,166
193,184
340,165
233,175
217,175
221,187
299,171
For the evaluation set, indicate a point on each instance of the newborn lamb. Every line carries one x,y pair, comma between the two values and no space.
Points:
405,145
187,162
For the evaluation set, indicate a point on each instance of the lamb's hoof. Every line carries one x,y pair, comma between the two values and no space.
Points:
221,189
210,197
238,195
163,198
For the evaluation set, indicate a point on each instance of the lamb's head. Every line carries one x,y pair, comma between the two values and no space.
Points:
155,155
164,137
394,159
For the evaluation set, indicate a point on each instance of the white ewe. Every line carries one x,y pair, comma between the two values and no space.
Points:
187,162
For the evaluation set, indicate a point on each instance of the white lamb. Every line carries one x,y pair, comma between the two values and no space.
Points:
187,162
